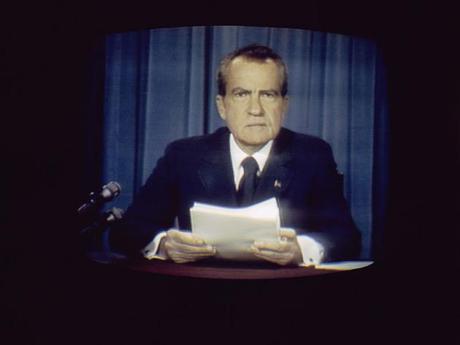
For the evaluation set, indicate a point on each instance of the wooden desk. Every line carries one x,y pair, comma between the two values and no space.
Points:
216,271
211,269
228,302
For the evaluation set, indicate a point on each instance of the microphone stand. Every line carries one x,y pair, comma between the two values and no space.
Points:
91,234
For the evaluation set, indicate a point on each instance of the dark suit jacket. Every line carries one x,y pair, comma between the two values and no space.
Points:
199,169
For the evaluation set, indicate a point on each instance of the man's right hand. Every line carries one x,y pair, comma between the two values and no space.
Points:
182,247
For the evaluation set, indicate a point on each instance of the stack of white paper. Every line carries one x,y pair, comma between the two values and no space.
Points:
344,265
233,230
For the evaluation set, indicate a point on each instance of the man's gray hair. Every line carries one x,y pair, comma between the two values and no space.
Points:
252,52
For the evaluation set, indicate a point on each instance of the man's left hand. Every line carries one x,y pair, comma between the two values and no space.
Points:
284,251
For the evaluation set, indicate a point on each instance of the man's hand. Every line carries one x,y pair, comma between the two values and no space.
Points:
184,247
282,252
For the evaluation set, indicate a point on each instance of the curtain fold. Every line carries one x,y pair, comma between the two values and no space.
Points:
160,86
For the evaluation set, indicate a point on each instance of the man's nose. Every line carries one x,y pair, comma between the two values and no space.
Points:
255,107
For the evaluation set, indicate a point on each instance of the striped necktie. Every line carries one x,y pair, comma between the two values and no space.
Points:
248,183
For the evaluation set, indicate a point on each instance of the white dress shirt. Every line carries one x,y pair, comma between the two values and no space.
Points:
238,155
312,251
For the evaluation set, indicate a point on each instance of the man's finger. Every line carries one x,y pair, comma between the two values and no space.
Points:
185,237
172,245
278,258
287,233
275,246
181,257
180,260
189,256
270,253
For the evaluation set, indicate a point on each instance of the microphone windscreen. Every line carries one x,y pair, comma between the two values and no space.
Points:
110,190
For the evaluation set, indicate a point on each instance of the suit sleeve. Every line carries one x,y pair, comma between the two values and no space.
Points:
330,222
153,209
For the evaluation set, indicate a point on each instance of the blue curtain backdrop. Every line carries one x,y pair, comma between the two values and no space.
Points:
160,86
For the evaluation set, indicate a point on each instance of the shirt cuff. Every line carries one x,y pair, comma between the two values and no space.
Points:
312,251
151,250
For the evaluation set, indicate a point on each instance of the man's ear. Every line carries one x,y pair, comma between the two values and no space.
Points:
221,107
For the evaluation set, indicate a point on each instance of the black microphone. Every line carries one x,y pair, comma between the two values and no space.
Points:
108,192
109,217
115,214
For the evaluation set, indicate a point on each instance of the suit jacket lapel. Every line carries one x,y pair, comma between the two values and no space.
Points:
216,174
215,169
278,171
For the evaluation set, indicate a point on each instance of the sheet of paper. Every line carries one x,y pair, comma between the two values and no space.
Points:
344,265
233,230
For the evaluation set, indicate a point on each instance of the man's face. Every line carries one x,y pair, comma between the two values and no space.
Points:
253,107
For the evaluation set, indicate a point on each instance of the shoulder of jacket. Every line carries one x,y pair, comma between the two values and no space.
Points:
306,141
195,143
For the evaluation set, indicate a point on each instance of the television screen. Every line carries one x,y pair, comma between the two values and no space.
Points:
95,94
160,85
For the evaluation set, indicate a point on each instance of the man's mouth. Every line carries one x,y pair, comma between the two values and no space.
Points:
257,125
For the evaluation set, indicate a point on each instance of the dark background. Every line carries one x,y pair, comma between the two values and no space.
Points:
50,294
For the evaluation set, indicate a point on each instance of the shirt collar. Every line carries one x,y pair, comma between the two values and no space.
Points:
237,156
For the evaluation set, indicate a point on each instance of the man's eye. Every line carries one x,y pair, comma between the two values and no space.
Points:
241,94
269,95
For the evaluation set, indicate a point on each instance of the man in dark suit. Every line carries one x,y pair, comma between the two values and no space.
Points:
251,160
